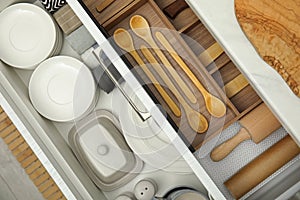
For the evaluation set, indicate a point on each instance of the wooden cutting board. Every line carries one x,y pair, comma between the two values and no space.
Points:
273,27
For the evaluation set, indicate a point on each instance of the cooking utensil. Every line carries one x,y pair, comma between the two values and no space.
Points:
213,104
263,166
257,125
196,120
124,40
111,73
141,28
104,4
175,8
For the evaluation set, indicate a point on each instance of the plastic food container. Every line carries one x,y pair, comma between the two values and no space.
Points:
98,144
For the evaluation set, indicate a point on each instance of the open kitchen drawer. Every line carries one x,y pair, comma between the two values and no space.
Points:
205,59
49,140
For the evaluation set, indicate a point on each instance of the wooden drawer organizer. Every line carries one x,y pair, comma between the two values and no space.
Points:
207,61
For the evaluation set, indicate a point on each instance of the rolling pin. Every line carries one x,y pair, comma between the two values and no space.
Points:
263,166
256,125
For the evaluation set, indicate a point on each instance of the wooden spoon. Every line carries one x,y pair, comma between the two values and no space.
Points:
213,104
196,120
140,27
124,40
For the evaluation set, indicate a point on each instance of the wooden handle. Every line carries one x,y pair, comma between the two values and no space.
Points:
180,62
155,64
260,127
221,151
195,119
175,8
170,102
262,167
213,104
104,5
180,82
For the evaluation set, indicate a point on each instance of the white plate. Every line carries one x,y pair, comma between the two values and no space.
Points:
62,89
58,42
27,36
150,144
58,45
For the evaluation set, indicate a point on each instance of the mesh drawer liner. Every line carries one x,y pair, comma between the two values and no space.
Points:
243,154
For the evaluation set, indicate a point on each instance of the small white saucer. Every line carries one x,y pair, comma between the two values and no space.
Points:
62,89
27,37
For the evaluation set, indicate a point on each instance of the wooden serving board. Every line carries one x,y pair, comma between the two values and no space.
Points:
273,27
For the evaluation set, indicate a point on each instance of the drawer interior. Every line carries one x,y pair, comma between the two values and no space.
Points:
217,72
14,88
49,134
193,41
243,154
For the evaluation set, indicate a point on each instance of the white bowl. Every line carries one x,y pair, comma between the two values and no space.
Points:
62,89
27,37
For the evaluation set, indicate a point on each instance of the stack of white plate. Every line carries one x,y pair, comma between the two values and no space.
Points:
62,89
28,36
